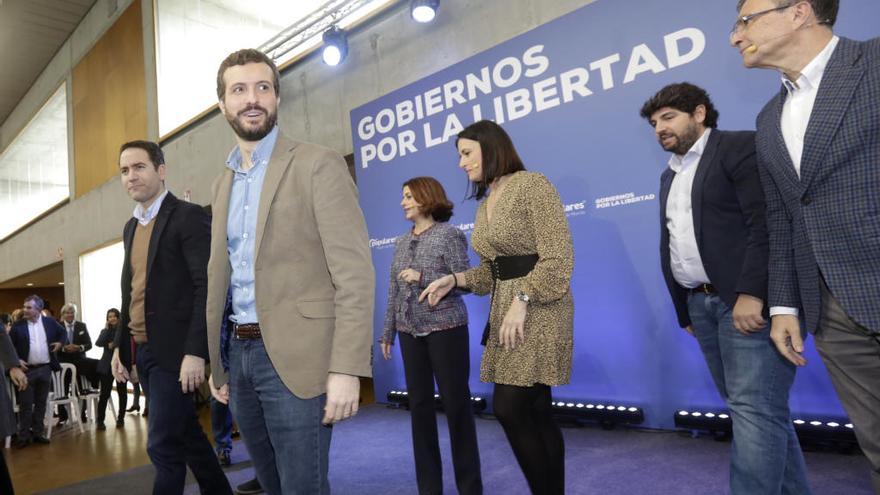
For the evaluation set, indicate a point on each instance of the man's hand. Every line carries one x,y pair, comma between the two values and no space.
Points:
690,329
386,350
785,332
343,395
120,374
23,364
437,289
409,276
55,346
747,314
19,379
192,373
220,394
71,348
512,330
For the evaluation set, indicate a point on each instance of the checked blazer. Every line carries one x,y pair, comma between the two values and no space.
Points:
826,223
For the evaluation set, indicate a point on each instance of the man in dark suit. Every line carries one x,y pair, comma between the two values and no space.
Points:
818,148
713,252
74,352
36,339
162,329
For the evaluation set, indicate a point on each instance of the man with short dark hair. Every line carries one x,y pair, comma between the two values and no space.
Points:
36,339
162,325
290,246
818,145
713,252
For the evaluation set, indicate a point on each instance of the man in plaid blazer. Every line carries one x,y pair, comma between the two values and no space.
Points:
818,144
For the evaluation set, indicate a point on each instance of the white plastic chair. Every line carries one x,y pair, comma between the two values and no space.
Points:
91,399
64,398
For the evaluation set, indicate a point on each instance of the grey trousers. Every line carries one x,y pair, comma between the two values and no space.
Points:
851,353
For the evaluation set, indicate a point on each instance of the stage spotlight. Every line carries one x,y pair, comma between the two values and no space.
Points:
423,10
335,46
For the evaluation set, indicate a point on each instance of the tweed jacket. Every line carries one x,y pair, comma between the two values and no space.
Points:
826,223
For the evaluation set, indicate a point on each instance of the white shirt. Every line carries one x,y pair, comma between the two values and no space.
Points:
796,113
39,348
799,104
684,255
145,217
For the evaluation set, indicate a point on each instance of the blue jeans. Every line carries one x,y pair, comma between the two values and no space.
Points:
283,433
175,438
221,426
754,380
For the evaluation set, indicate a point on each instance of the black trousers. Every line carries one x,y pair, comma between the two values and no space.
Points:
526,414
443,355
32,402
5,478
106,383
175,439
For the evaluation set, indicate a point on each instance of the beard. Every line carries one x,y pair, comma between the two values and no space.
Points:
683,142
253,134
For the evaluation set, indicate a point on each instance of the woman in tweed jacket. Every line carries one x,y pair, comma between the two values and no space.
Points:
433,339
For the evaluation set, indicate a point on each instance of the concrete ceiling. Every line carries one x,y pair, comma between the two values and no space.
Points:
48,276
31,32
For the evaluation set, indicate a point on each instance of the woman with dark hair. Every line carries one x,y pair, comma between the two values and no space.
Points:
105,377
526,254
433,341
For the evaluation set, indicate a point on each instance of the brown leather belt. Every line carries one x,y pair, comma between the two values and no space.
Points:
705,289
247,331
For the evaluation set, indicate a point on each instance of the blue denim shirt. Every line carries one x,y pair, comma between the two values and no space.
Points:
438,251
241,226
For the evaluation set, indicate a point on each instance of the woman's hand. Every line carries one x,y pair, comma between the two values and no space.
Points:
437,289
410,276
513,326
386,350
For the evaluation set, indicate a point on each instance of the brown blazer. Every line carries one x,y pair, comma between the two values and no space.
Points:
314,274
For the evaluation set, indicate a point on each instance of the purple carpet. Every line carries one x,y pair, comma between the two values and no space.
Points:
372,454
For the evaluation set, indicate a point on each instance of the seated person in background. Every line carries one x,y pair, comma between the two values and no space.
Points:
74,352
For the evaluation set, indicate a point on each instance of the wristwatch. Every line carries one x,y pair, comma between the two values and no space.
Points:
522,296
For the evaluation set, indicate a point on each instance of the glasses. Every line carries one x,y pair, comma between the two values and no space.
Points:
743,22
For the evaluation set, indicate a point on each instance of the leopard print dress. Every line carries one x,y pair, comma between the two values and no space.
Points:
528,218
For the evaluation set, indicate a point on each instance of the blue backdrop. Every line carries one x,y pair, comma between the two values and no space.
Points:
569,93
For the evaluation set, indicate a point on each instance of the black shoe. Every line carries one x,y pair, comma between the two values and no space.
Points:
22,443
133,409
251,487
146,412
235,433
101,426
42,440
120,423
223,458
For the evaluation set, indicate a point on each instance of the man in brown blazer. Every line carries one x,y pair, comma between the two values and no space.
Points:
290,269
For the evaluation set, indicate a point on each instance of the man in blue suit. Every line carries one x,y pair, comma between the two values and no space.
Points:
818,146
36,339
713,252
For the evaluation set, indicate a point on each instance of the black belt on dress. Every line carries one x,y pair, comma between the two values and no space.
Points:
507,268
